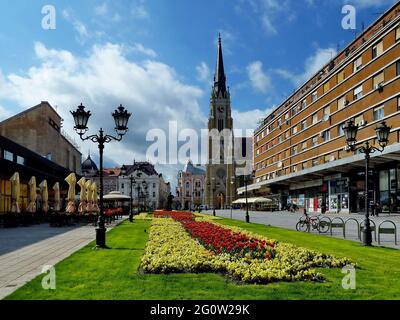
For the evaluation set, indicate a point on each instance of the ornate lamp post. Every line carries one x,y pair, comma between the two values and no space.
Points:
81,118
246,180
382,134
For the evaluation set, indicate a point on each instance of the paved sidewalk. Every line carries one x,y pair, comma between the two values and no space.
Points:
288,220
25,251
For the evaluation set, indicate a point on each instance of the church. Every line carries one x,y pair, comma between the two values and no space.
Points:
220,168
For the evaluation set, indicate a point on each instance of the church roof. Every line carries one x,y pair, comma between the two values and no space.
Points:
190,168
219,77
89,165
146,167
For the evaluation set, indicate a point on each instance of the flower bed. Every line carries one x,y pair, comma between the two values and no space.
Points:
222,240
172,249
176,215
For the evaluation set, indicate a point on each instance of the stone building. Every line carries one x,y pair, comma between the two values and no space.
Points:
149,188
190,188
39,129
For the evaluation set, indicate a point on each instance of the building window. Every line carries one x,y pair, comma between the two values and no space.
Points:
357,64
304,125
379,113
315,118
294,130
342,102
154,194
294,150
314,96
315,162
20,160
398,68
327,111
398,103
358,92
326,135
398,33
294,111
220,124
280,139
287,134
304,104
122,185
327,86
315,141
340,76
8,155
294,168
304,165
341,129
287,115
359,121
304,146
377,50
379,80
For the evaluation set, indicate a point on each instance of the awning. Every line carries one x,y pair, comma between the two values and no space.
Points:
116,196
252,200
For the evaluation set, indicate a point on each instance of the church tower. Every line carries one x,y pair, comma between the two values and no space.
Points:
220,170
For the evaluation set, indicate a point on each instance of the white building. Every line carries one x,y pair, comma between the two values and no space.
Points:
148,188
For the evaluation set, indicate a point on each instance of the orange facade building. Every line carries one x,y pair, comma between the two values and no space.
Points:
300,149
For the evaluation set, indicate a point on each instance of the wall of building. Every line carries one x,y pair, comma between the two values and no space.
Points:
39,129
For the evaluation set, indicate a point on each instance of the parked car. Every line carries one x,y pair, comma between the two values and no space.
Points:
203,207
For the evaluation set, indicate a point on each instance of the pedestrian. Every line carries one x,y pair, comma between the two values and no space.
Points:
378,209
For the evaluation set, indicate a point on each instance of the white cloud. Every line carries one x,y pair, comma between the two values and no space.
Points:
248,120
203,73
312,65
138,47
101,10
80,27
101,80
268,12
258,79
363,4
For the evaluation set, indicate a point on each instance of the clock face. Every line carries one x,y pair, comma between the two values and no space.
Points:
221,109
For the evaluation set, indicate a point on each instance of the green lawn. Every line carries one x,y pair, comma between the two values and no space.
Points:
112,274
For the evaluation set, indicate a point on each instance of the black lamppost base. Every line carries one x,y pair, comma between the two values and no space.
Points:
131,217
247,218
214,213
367,238
101,238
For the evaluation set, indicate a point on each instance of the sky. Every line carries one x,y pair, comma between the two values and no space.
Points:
157,58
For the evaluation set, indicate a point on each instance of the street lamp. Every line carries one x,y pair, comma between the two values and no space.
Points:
81,118
246,180
382,134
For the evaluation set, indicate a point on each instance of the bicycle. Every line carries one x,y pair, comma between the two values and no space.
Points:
306,223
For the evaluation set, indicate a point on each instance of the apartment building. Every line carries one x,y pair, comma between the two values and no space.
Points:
300,149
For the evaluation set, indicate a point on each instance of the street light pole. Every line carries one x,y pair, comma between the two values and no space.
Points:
81,118
245,186
132,180
382,133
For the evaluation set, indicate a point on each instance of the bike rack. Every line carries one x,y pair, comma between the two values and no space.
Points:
358,225
387,231
329,222
373,228
338,225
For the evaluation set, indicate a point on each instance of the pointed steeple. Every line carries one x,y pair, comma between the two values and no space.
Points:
219,77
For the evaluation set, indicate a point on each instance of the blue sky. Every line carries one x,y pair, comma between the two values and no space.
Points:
157,57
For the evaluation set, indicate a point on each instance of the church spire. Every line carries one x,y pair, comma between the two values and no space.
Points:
219,77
